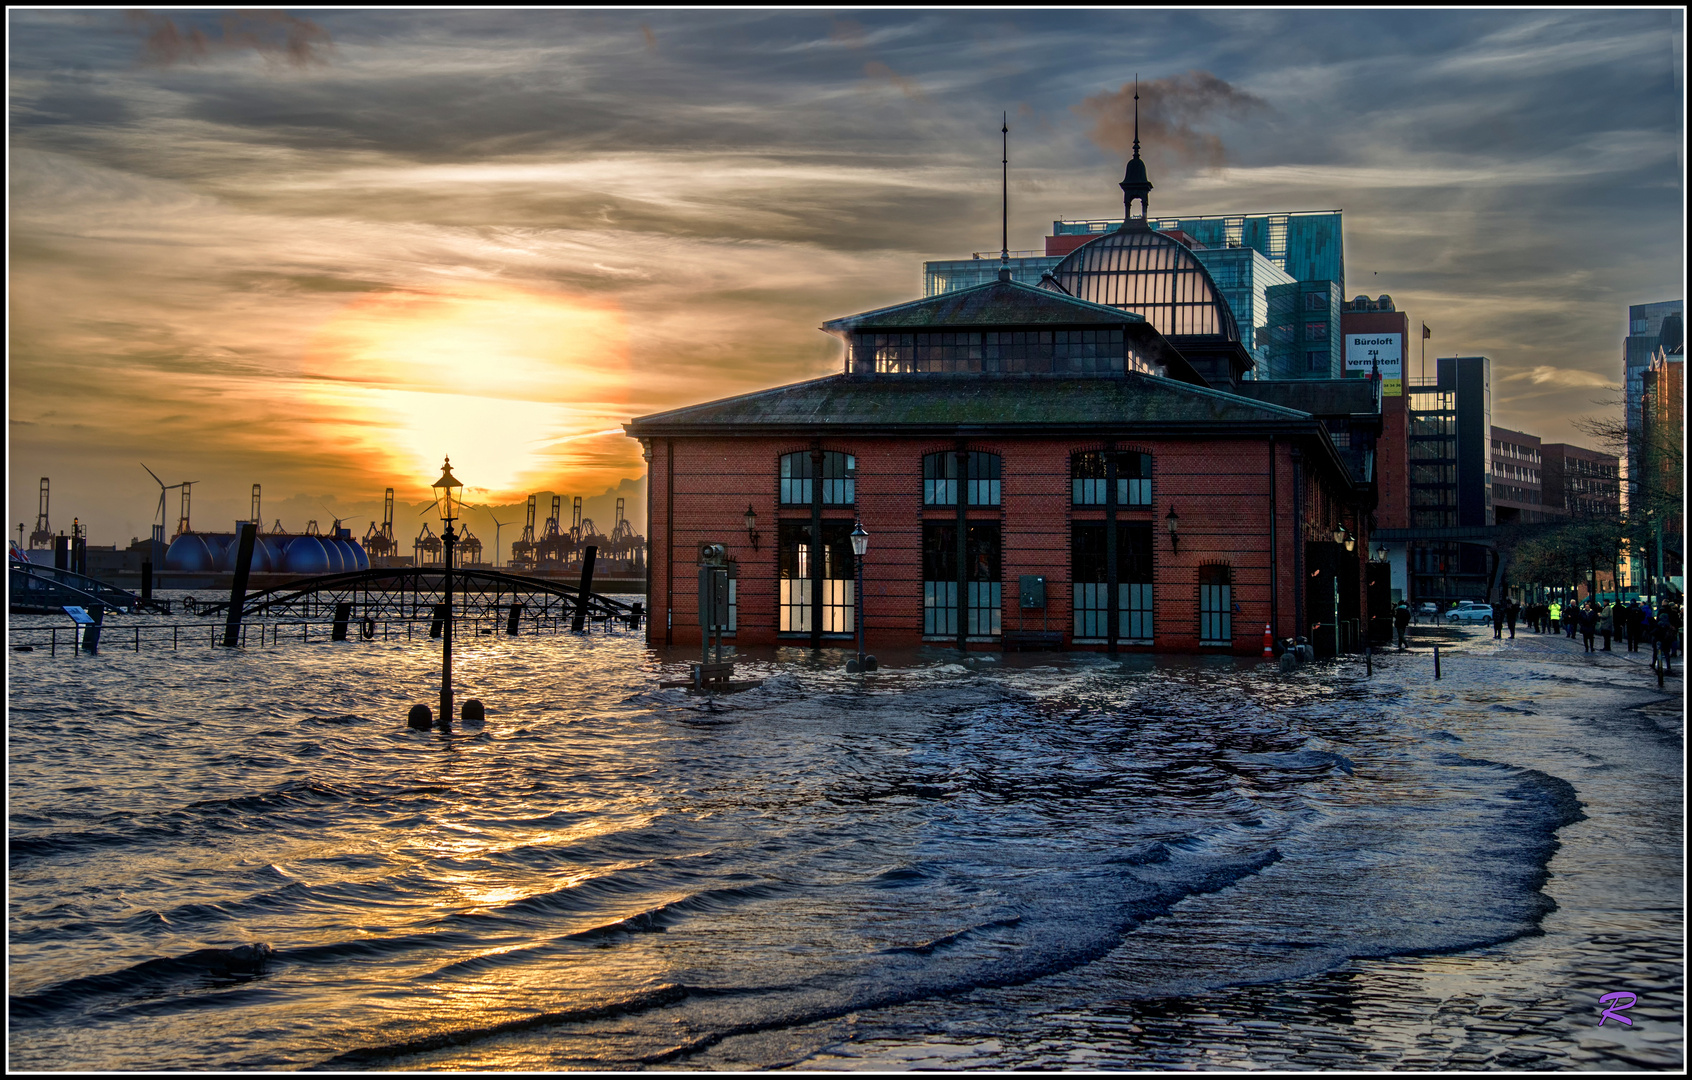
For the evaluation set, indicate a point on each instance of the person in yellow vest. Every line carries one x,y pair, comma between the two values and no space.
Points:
1556,614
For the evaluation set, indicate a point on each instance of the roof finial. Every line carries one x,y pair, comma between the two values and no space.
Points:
1135,185
1136,114
1004,199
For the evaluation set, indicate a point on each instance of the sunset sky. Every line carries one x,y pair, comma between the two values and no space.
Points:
319,252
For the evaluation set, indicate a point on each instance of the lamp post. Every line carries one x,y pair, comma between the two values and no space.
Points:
449,494
1173,520
860,544
752,526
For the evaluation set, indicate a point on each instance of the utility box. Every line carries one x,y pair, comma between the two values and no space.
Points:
713,597
1032,590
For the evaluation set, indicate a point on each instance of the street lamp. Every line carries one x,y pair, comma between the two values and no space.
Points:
752,526
1173,520
449,500
860,544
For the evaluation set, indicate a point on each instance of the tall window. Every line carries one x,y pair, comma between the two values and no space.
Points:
940,479
984,597
939,579
981,589
798,476
1088,479
1216,605
797,603
1091,577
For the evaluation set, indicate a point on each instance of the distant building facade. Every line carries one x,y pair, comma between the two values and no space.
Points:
1581,482
1662,444
1517,482
1644,337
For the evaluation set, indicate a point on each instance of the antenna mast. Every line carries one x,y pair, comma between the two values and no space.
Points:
1004,193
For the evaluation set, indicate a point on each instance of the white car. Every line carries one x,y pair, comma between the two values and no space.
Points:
1469,611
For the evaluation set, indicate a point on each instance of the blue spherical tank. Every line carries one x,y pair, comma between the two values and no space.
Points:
305,556
332,548
266,559
359,556
188,554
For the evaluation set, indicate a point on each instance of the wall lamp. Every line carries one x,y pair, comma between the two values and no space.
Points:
752,526
1174,521
1343,536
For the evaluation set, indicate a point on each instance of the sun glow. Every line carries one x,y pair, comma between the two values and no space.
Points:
495,376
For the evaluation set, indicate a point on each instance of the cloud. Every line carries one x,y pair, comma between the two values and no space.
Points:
1169,111
1543,374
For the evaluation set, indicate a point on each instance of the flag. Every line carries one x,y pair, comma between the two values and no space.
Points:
1426,333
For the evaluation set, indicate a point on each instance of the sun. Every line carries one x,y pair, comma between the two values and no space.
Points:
493,375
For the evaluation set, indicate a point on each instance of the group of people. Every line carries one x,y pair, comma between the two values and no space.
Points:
1635,622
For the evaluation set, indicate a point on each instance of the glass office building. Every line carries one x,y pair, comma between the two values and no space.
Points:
1306,245
1244,277
1304,332
950,275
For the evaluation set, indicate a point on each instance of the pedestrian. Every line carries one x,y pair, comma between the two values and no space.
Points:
1498,620
1401,620
1588,624
1555,615
1571,620
1511,610
1635,623
1606,623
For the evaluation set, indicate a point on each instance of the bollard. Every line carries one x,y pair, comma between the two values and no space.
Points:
511,628
1436,661
420,718
343,615
473,712
173,629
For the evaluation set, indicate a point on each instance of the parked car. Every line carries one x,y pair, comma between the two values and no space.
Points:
1428,607
1469,611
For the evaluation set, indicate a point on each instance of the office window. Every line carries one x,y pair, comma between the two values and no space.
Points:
1316,301
1316,360
1315,331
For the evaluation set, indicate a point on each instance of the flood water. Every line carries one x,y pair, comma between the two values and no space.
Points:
244,859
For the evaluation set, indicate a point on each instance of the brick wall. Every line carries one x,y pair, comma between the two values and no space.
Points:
1219,488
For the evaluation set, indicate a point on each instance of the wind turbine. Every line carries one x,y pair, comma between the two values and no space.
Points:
158,530
498,524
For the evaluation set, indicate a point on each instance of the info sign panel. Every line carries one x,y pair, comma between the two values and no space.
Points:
1364,351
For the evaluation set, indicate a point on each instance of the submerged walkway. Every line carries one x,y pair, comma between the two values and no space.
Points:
1540,701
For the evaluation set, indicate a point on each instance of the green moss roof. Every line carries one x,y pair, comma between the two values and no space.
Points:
931,403
1007,304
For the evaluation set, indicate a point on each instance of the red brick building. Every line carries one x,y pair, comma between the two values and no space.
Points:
991,437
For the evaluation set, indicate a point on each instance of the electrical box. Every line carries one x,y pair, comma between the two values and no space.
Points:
713,597
1033,590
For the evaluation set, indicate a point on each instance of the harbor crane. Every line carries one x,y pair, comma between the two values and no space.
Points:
43,535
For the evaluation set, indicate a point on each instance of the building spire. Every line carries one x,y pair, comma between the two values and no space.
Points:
1004,198
1135,185
1136,114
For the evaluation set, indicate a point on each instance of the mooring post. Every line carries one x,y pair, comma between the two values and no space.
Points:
439,621
511,620
238,592
137,639
343,615
1369,658
1436,661
588,555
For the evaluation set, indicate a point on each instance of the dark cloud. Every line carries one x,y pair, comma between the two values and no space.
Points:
1171,113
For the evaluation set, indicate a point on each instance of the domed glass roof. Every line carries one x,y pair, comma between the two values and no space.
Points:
1150,274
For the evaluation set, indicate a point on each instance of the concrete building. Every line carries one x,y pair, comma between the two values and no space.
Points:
1581,482
1517,484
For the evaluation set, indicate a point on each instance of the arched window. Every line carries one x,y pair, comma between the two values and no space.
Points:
1216,604
940,479
798,477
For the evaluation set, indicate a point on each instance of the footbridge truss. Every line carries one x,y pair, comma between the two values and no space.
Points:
414,592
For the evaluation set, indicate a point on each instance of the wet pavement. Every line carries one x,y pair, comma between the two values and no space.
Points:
1596,720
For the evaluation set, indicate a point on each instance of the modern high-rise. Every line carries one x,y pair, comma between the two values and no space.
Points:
1307,245
1662,455
1644,335
1450,481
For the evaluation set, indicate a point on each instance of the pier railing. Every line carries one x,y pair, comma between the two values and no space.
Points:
175,637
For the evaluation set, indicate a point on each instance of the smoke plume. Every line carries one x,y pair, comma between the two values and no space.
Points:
274,35
1172,111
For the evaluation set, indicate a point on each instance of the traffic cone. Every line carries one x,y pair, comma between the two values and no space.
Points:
1268,643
